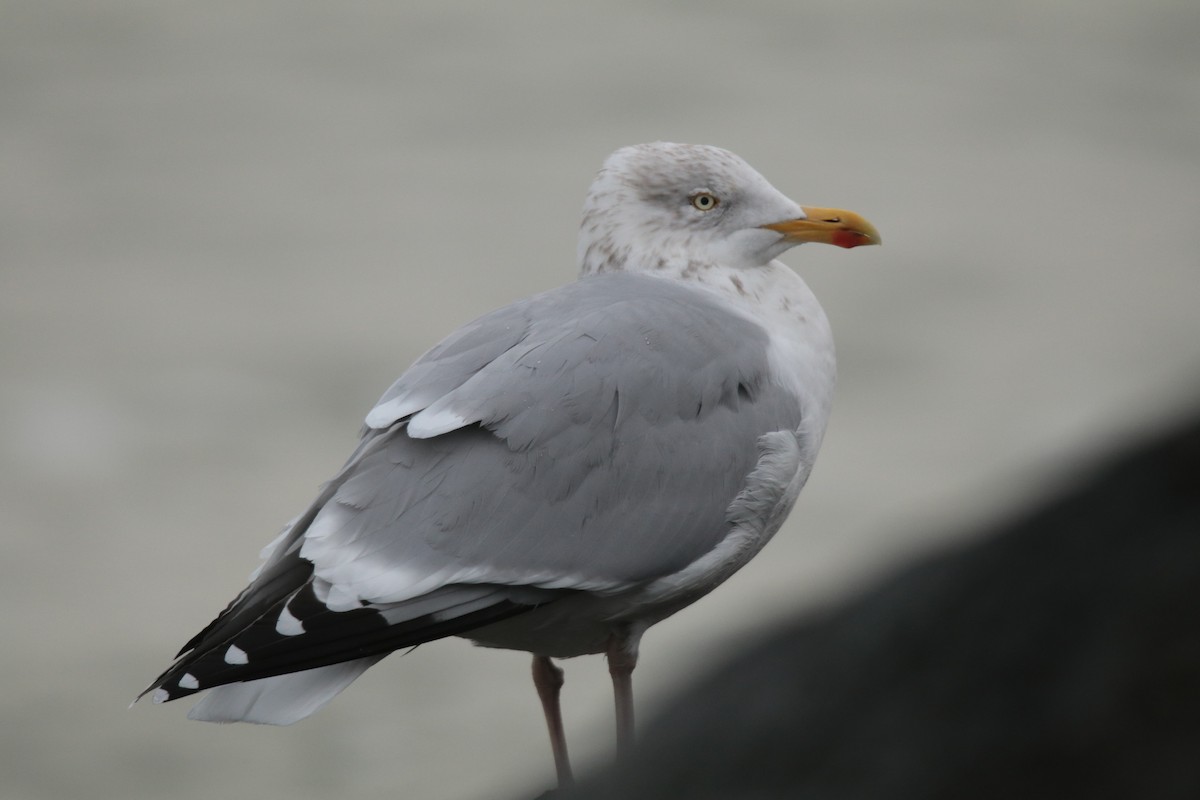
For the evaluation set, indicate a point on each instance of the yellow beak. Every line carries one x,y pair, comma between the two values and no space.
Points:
828,225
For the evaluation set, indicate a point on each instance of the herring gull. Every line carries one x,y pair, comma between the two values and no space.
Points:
566,471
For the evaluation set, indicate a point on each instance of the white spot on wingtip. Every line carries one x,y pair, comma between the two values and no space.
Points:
288,624
236,655
160,696
188,681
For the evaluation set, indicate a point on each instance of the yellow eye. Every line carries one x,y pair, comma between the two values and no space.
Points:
704,201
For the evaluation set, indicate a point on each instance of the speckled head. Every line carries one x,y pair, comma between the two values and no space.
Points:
685,207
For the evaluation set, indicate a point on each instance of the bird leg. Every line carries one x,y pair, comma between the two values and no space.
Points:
548,680
622,658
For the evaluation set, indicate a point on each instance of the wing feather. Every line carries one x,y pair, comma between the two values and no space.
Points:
589,438
606,443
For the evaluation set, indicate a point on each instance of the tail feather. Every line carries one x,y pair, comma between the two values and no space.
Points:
280,699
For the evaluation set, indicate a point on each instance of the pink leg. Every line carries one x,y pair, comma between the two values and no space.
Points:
622,658
548,680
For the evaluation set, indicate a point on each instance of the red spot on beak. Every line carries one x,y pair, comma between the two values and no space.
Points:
848,239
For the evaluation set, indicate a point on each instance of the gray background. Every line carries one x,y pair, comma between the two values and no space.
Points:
225,227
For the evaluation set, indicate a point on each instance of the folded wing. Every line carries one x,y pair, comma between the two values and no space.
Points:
590,438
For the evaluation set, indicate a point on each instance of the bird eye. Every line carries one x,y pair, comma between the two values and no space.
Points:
704,201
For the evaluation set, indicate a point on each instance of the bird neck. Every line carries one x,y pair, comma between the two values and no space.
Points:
774,296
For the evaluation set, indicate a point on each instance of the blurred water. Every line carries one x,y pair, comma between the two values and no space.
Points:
225,228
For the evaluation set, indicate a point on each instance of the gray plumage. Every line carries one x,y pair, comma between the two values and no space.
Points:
563,472
570,459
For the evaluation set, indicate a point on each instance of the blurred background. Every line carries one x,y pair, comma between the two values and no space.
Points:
225,228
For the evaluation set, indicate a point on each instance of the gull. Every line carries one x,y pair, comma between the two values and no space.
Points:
564,472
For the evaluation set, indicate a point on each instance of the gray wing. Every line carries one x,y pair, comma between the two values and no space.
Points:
591,437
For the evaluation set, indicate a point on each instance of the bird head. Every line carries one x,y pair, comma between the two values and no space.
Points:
668,206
